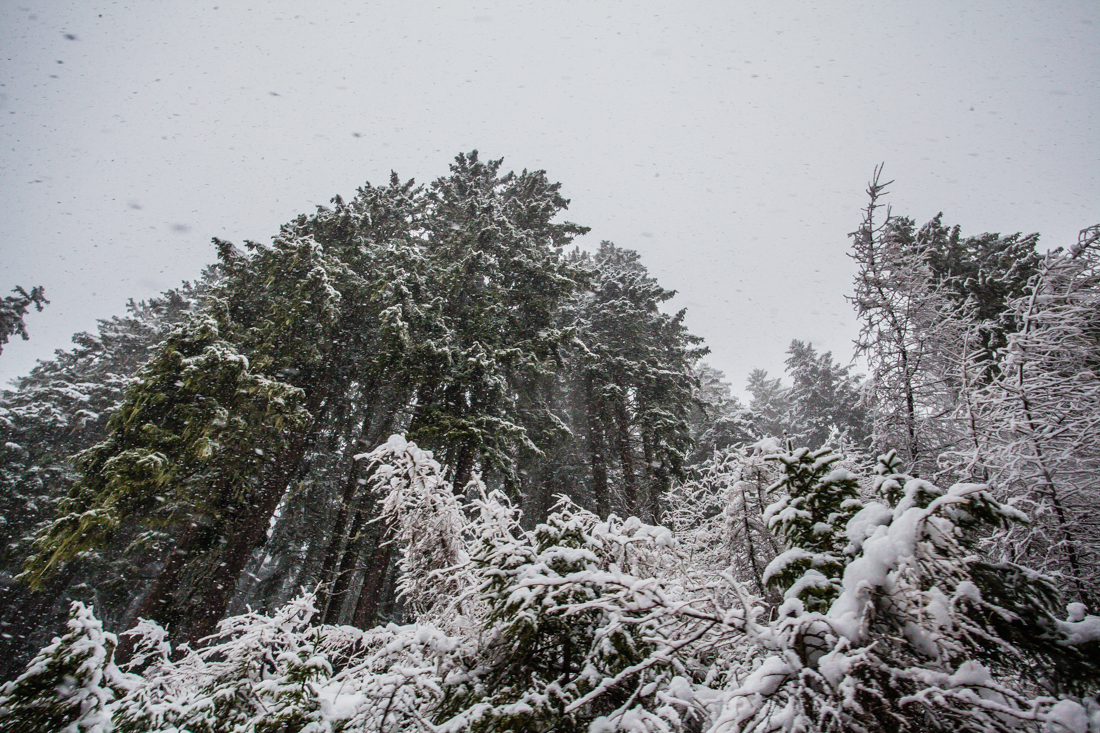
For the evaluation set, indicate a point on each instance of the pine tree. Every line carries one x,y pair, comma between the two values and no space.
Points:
825,399
186,449
718,420
770,405
59,409
444,312
634,368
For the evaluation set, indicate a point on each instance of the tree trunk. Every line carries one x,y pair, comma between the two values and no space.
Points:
350,558
655,484
626,454
370,597
597,460
248,529
351,487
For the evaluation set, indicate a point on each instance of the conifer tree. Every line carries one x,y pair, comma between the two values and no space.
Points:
913,335
770,405
13,309
825,398
815,503
61,408
69,685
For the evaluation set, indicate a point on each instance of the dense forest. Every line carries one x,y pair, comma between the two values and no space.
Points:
421,464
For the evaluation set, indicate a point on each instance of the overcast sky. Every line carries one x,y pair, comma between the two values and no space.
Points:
728,142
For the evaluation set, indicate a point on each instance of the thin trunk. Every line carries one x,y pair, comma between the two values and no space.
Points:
654,485
597,460
351,487
356,539
1048,478
464,467
370,597
1055,500
750,546
910,413
626,454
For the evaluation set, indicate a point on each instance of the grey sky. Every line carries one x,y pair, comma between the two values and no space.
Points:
728,142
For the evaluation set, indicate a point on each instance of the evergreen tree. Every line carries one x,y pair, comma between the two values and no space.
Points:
446,312
815,502
186,449
14,308
920,633
634,368
718,420
770,406
825,399
69,685
60,408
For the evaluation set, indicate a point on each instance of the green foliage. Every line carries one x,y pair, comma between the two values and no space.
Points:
188,441
447,312
815,503
562,651
13,308
918,632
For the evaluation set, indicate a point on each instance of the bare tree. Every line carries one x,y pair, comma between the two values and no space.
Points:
912,335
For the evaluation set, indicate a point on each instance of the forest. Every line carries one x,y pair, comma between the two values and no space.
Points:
423,464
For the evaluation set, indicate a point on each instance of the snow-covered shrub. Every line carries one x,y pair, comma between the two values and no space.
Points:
585,633
922,633
258,673
69,685
718,516
594,626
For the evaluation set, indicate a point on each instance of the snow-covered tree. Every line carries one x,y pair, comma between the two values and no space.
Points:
825,399
632,367
583,635
718,515
718,420
69,686
1038,418
770,405
57,410
815,500
912,334
421,517
921,633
